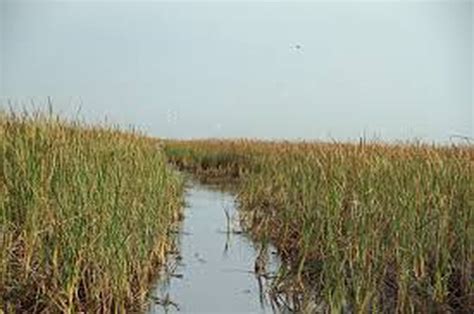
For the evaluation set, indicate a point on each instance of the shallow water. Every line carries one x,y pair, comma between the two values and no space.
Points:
214,269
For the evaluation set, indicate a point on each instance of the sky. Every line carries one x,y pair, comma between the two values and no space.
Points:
320,70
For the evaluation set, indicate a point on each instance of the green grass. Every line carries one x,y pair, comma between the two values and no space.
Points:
213,161
85,214
368,227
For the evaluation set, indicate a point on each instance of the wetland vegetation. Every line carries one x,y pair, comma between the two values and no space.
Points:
360,227
88,213
85,215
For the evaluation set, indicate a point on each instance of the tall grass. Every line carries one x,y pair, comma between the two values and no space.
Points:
368,227
210,160
84,215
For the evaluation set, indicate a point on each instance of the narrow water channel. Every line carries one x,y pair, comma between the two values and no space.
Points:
214,269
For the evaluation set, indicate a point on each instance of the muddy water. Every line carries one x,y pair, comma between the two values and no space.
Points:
214,269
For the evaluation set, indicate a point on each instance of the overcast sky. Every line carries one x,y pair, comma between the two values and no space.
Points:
312,70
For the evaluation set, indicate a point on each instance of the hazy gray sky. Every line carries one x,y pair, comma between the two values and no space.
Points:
398,69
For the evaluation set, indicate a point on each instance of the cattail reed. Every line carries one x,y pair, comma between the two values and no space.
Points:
362,227
85,214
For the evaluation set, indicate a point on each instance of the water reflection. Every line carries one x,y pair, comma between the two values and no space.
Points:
218,268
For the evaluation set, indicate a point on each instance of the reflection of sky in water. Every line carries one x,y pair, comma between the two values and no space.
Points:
216,269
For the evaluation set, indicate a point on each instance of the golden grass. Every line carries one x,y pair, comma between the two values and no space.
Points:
85,214
362,227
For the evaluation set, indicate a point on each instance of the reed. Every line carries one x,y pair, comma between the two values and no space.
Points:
361,227
212,161
85,214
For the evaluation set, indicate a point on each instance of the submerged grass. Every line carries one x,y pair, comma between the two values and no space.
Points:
85,214
367,227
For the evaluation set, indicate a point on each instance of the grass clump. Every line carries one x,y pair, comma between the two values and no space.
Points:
210,160
362,228
85,214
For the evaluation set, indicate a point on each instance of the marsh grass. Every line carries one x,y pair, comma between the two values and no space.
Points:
361,227
212,162
85,214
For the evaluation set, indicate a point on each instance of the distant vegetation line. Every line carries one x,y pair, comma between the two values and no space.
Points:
361,227
85,215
